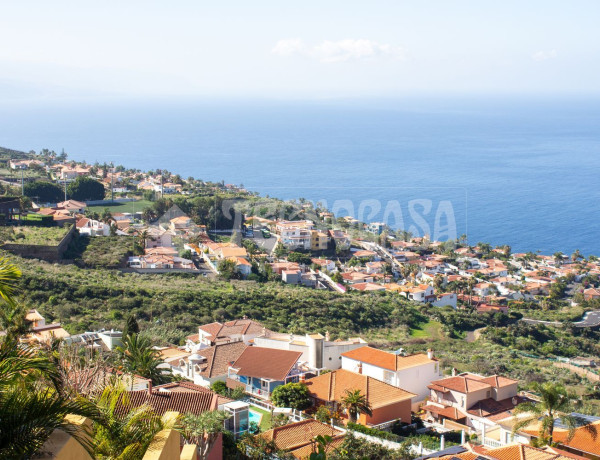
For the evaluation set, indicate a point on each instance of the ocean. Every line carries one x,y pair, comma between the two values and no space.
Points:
521,171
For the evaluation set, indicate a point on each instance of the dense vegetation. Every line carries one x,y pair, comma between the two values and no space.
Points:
50,236
105,252
85,188
44,191
87,299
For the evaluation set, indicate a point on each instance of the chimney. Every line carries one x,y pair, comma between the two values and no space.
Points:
454,372
359,368
327,336
302,377
429,353
245,317
149,387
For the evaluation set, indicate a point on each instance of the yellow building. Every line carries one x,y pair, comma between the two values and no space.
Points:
318,240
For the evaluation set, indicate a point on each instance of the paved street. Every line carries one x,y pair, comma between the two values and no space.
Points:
590,319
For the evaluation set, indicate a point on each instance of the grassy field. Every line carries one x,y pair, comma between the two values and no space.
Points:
429,330
49,236
131,206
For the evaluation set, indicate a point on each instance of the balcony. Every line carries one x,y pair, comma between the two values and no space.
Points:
233,381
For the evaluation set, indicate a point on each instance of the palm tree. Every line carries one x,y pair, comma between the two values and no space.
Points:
143,236
125,432
9,274
30,405
138,357
356,403
555,402
471,282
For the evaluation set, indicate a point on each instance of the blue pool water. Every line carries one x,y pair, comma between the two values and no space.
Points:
254,417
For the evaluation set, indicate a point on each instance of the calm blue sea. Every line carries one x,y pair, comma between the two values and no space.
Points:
517,171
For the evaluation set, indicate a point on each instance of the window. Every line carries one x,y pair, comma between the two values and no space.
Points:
388,376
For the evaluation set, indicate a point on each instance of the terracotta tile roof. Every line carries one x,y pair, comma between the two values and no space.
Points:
305,451
299,434
583,440
183,402
466,383
524,452
266,362
387,360
219,357
183,386
447,411
211,329
489,406
81,223
333,385
367,287
173,352
238,326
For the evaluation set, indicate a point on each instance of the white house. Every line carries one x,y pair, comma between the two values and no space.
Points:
295,234
448,299
320,352
410,372
92,227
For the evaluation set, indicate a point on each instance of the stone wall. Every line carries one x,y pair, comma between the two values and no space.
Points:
37,251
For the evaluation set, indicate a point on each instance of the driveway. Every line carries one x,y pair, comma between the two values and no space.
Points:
266,244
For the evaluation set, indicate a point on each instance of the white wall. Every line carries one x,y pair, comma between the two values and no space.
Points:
414,379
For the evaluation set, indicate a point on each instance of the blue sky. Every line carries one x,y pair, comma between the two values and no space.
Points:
308,49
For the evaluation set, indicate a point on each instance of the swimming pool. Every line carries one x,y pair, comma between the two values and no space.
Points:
254,417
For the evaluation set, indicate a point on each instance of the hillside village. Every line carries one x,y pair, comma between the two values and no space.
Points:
290,394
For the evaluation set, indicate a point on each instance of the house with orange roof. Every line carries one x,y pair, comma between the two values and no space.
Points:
387,402
258,371
513,452
367,287
204,366
238,330
591,294
471,399
324,264
366,254
411,372
585,441
180,224
421,293
72,206
356,277
299,438
92,227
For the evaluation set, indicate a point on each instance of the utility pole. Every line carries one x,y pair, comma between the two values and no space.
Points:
22,184
112,185
65,189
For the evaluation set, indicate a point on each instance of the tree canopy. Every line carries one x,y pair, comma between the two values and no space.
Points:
85,188
44,191
294,395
